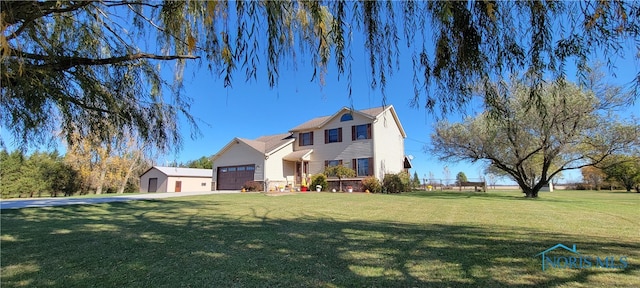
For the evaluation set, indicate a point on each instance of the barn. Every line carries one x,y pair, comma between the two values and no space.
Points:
175,179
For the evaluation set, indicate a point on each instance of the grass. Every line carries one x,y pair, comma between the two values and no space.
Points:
427,239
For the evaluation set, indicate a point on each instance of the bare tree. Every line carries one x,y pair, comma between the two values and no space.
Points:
533,140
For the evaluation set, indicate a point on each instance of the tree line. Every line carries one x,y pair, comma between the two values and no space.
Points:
51,174
623,173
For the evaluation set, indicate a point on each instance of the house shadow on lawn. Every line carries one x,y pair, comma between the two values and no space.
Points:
169,244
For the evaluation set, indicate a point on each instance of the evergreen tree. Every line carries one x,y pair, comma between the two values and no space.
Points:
415,182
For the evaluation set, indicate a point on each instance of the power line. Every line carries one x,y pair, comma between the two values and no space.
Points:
419,141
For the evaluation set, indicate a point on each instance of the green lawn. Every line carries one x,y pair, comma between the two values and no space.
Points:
427,239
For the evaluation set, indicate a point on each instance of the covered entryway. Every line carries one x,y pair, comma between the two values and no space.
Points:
233,177
301,159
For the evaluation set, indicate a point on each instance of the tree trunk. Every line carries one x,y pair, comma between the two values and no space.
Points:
123,184
134,164
103,173
530,192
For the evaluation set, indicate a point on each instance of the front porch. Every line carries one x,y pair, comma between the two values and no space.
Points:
295,168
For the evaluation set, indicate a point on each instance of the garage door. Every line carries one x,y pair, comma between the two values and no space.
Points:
233,177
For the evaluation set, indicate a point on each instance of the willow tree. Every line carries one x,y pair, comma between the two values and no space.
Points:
533,140
75,65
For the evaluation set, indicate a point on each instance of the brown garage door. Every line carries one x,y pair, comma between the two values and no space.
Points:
233,177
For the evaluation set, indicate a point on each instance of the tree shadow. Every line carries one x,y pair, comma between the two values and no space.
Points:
188,243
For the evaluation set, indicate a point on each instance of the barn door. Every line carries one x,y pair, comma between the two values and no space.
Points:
153,185
178,186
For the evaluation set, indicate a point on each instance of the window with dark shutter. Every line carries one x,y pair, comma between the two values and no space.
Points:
363,167
331,163
333,135
305,139
361,132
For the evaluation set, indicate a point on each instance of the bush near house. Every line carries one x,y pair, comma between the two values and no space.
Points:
252,186
372,184
319,179
395,183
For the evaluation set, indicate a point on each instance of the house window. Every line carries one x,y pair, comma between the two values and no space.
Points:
241,168
361,132
346,117
333,135
331,163
306,139
363,166
203,184
232,169
251,168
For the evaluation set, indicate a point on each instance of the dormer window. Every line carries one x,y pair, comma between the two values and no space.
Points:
346,117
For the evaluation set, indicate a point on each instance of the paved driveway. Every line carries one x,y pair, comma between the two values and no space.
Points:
46,202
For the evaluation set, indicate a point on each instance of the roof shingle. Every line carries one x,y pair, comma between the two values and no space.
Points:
266,144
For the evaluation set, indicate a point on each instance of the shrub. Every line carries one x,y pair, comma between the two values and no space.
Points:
319,179
393,183
405,178
372,184
252,186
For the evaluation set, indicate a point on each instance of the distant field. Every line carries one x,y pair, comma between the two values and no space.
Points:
419,239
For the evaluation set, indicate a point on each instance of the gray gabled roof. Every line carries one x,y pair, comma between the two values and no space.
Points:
264,144
184,172
274,142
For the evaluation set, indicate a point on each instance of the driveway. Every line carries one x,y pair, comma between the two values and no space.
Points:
47,202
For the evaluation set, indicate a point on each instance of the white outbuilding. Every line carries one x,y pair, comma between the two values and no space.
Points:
175,179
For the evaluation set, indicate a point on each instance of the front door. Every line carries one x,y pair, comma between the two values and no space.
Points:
302,169
178,186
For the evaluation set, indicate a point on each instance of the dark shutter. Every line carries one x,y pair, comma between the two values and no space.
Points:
326,163
326,136
339,162
369,131
370,172
353,133
311,137
339,134
300,140
354,165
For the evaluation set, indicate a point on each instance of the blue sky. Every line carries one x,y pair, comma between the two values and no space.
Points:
252,109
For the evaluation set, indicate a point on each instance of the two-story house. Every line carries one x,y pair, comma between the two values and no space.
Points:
369,141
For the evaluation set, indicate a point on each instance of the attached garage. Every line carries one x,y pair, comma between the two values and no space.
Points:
234,177
175,179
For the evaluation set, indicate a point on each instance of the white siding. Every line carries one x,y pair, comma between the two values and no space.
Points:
168,184
347,150
189,184
240,154
389,146
278,169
